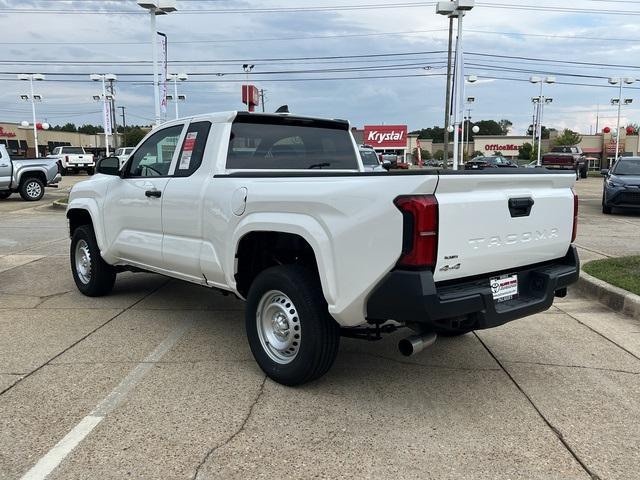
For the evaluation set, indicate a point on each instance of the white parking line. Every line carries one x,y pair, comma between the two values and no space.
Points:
50,461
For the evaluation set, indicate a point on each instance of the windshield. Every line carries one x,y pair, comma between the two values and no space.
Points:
627,167
73,150
493,160
119,152
369,158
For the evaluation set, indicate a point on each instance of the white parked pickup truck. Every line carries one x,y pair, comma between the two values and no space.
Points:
73,159
279,210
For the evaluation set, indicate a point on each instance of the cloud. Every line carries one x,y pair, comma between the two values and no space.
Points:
417,101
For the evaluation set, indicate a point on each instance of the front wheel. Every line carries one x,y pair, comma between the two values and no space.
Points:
32,189
93,276
606,209
291,334
5,194
584,173
91,170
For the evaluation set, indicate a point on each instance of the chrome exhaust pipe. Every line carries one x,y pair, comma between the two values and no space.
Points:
416,343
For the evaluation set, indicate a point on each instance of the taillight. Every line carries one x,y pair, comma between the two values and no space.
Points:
420,232
574,233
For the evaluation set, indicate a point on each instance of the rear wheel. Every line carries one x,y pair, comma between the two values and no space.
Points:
93,276
584,173
91,170
291,334
5,194
32,189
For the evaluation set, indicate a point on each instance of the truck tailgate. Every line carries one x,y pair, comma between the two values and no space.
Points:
485,224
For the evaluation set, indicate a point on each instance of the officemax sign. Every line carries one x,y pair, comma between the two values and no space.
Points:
386,136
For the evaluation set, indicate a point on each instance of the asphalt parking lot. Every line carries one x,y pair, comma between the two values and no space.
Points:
157,381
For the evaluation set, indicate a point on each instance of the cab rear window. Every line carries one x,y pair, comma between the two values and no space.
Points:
276,143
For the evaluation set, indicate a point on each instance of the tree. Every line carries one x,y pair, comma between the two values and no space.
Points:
489,127
505,126
524,152
434,133
134,136
90,129
438,155
568,137
545,131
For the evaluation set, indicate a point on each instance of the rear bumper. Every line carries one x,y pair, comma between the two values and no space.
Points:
56,179
414,297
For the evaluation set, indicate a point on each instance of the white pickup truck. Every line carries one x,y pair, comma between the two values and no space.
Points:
73,159
279,210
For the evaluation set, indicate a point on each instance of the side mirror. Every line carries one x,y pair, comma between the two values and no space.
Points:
386,164
109,166
604,171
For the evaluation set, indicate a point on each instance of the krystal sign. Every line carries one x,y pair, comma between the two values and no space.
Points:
386,136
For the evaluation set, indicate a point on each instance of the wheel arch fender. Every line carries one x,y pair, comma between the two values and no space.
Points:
37,172
86,206
305,226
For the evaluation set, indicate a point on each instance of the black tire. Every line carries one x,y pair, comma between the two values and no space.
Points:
91,170
5,194
319,333
31,189
606,209
63,171
101,276
584,173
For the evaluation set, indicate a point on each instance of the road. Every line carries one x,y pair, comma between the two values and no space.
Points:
157,381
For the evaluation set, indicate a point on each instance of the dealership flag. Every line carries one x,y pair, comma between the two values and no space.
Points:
419,148
162,47
106,112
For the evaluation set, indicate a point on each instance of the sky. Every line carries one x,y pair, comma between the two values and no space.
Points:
581,43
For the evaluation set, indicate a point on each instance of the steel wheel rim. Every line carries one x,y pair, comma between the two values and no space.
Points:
83,261
278,327
33,189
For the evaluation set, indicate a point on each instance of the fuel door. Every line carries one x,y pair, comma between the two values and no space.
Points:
239,201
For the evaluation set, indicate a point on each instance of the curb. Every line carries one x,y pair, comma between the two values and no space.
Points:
60,204
615,298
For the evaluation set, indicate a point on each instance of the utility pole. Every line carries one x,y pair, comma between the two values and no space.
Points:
124,126
262,98
447,106
114,122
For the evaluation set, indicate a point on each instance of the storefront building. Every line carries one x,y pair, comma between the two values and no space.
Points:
20,140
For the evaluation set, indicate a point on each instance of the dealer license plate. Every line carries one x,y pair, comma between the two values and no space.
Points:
504,288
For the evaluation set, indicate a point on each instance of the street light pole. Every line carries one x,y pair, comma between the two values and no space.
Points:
447,107
157,7
33,113
156,87
31,77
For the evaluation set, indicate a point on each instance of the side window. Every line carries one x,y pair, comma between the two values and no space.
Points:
153,158
192,151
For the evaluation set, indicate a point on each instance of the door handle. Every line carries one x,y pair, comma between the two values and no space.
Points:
153,193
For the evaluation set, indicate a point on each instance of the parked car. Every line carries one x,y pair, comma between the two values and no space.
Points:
493,161
123,154
235,201
567,157
28,177
621,185
370,160
73,159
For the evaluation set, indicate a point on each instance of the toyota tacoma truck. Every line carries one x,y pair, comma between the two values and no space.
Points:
28,177
279,211
73,159
566,158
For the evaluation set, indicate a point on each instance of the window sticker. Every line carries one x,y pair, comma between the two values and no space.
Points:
187,150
